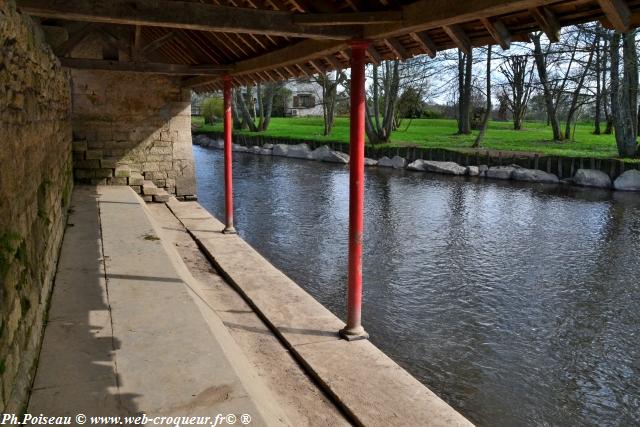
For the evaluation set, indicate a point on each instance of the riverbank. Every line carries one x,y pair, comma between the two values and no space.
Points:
535,138
592,172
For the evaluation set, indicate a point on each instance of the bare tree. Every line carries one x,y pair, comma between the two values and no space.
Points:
488,107
258,108
465,68
329,87
624,94
540,58
384,94
518,74
575,96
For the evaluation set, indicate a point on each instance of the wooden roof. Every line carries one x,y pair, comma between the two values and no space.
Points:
270,40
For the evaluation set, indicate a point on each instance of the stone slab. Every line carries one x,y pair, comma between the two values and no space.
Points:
369,386
123,299
149,188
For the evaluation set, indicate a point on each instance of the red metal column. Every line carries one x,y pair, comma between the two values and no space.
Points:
228,145
354,330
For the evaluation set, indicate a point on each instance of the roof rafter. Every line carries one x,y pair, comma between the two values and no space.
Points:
184,15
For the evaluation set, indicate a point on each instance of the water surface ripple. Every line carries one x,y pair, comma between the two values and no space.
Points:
518,304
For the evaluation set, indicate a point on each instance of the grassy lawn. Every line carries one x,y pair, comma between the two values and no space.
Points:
440,133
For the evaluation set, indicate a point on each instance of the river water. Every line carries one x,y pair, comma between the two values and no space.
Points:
518,304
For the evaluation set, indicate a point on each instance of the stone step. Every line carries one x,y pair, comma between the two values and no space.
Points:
136,178
161,196
149,188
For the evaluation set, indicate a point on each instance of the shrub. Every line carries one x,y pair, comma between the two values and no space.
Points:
212,109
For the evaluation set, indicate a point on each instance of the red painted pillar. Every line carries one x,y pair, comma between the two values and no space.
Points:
228,145
354,330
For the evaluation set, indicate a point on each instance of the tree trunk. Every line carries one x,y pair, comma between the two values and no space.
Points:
624,121
598,100
576,94
544,80
465,67
487,113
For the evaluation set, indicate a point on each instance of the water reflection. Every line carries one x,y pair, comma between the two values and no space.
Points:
516,303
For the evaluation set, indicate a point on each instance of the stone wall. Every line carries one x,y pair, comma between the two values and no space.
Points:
131,124
35,187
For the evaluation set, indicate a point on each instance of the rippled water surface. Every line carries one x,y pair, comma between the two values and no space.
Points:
517,304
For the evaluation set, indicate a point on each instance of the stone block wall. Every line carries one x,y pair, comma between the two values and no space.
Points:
128,125
35,187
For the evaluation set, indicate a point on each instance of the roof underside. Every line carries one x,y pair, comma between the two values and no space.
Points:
270,40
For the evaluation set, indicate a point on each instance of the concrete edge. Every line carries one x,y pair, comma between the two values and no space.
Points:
270,411
315,374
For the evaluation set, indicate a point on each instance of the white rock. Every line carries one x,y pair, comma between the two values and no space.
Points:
628,181
300,151
534,175
450,168
473,170
326,154
240,148
592,178
397,162
500,172
417,165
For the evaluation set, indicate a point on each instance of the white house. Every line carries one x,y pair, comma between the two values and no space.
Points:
305,99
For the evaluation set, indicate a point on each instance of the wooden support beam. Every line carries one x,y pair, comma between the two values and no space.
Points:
352,18
315,64
547,21
156,44
459,37
75,39
183,15
334,62
198,81
143,67
426,43
396,47
418,16
498,31
374,54
617,12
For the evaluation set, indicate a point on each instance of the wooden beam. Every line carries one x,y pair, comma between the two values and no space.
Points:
498,31
75,39
156,44
617,12
143,67
547,21
334,61
373,53
183,15
351,18
430,14
315,64
426,43
199,81
459,37
419,16
396,47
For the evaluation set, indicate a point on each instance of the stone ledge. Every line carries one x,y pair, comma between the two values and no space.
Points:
364,382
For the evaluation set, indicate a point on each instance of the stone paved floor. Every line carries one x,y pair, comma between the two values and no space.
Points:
126,335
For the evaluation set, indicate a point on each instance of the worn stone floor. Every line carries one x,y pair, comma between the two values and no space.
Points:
155,311
128,332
